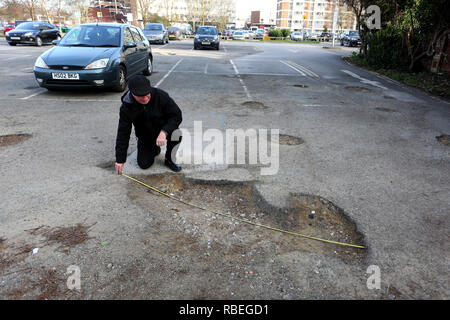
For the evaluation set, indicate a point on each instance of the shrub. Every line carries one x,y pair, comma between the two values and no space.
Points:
275,33
285,32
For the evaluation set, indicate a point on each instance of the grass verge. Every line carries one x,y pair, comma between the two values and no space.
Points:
437,84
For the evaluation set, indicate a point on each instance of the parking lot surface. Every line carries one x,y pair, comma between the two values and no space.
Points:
364,154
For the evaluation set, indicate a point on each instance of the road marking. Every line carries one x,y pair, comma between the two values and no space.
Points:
33,95
301,72
306,70
206,68
364,80
240,80
168,73
224,49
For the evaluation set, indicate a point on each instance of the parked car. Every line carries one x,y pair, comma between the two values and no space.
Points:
296,36
312,37
33,32
174,33
207,36
325,36
95,55
350,38
156,33
259,34
238,35
228,33
8,27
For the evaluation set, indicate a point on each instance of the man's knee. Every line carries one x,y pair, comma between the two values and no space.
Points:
145,164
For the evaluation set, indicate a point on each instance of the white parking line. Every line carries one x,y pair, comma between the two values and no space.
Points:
240,80
301,72
206,68
168,73
33,95
364,80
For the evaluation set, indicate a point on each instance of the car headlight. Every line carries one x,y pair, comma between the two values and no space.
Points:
40,63
98,64
196,37
28,34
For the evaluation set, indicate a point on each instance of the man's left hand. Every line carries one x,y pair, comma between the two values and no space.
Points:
161,140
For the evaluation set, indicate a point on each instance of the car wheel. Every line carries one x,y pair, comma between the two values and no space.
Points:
217,48
121,80
12,44
38,41
149,70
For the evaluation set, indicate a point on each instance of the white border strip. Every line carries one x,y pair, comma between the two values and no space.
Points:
168,73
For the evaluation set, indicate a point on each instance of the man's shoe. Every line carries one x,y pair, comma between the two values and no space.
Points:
172,166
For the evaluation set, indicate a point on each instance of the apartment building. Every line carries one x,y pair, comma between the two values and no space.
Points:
314,15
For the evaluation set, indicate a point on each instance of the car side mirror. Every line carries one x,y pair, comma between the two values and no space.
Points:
55,42
130,45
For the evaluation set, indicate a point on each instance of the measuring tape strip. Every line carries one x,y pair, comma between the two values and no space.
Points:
243,220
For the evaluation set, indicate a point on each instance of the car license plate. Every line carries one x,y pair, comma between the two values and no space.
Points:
15,38
205,42
65,76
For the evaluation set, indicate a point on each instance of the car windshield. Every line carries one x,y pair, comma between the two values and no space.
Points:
207,31
153,27
28,26
353,33
92,36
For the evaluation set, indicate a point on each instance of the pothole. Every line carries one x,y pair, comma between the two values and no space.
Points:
290,140
254,105
356,88
300,86
220,239
444,138
13,139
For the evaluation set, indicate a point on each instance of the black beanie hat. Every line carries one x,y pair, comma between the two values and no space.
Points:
139,85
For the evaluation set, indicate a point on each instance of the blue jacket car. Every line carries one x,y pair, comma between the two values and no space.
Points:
95,55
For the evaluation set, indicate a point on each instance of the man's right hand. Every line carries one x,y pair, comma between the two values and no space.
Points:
119,167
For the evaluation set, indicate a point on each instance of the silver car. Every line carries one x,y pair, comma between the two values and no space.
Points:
156,33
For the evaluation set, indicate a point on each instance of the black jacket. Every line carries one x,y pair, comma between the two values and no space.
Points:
161,113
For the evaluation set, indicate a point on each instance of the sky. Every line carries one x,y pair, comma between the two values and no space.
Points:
244,7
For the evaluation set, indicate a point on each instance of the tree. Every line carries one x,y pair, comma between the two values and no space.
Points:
223,13
200,10
144,8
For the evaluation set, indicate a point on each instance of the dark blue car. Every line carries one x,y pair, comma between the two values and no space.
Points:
95,55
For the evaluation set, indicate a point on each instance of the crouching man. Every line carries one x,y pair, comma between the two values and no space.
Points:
155,117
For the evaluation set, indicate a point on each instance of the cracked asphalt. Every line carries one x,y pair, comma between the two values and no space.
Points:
368,146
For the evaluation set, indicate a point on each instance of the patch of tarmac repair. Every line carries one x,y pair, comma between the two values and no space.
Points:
290,140
356,88
444,138
13,139
216,239
254,105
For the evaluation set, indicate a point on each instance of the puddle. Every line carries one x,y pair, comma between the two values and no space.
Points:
13,139
290,140
355,88
444,138
211,237
254,105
